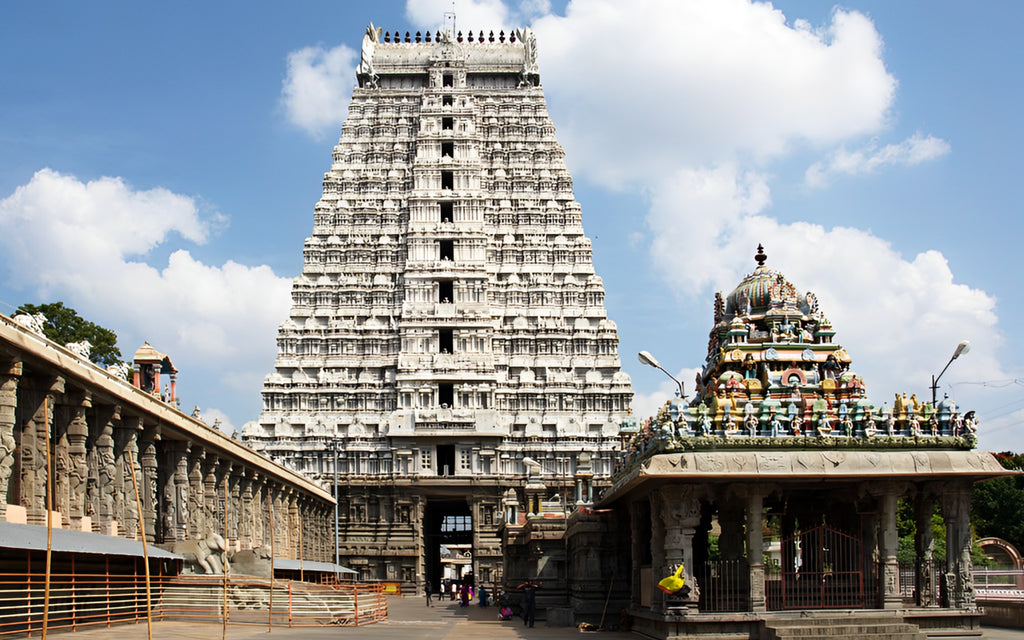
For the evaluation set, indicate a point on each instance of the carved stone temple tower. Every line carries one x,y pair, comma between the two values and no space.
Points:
448,333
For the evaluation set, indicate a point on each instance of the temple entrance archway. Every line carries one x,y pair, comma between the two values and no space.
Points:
447,540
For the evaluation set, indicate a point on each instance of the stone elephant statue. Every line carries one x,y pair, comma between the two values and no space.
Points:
208,554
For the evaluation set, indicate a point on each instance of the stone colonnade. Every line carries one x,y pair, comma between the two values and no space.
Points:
98,432
671,524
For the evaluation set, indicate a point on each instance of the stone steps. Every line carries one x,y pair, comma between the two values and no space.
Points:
867,628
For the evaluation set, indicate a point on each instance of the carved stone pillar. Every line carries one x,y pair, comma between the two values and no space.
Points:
924,547
128,463
33,460
234,480
281,517
294,524
108,479
888,544
211,496
658,561
755,550
175,492
213,516
636,537
681,514
10,374
956,509
61,466
78,473
196,494
246,505
227,518
148,486
259,512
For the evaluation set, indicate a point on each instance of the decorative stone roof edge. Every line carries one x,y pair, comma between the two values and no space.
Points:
25,344
879,443
805,465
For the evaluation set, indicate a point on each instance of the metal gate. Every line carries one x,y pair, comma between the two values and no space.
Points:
822,568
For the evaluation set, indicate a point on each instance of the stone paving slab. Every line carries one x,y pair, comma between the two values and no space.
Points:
408,619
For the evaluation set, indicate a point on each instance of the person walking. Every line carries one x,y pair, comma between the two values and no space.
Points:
529,605
427,590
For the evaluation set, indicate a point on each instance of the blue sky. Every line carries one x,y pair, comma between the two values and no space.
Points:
159,165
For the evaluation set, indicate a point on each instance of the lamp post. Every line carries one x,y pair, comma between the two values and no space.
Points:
645,357
961,349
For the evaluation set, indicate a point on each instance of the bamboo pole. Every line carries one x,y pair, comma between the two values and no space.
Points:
224,565
49,519
145,551
270,510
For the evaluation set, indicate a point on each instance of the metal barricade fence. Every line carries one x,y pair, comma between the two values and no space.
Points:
77,600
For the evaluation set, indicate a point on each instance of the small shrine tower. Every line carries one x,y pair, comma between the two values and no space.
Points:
147,366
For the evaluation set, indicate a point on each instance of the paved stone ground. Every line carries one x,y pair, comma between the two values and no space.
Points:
408,619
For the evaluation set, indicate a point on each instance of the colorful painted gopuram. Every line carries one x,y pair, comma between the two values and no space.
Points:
773,371
777,489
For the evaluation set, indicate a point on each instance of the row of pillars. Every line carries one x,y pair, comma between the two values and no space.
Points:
186,491
675,514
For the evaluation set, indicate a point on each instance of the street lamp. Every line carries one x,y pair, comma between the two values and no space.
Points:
645,357
961,349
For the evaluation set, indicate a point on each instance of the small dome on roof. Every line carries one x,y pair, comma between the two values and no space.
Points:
762,290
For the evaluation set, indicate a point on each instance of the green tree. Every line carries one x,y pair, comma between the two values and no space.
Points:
905,528
64,325
998,506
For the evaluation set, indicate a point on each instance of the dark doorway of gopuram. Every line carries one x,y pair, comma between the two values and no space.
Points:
448,543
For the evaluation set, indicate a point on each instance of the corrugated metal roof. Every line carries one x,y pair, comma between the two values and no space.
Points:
288,564
33,538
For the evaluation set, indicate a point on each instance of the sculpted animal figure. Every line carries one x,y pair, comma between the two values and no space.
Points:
82,348
121,370
209,553
33,323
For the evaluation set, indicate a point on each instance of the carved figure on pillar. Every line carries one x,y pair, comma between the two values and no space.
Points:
8,404
680,513
62,479
148,489
924,546
194,495
107,468
78,432
129,512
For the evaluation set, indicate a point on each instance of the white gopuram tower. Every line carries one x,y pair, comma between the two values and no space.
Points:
448,338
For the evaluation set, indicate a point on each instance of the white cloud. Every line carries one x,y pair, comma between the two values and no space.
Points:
469,14
692,102
1000,426
531,9
317,87
913,151
53,209
217,419
87,235
897,316
641,88
646,405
